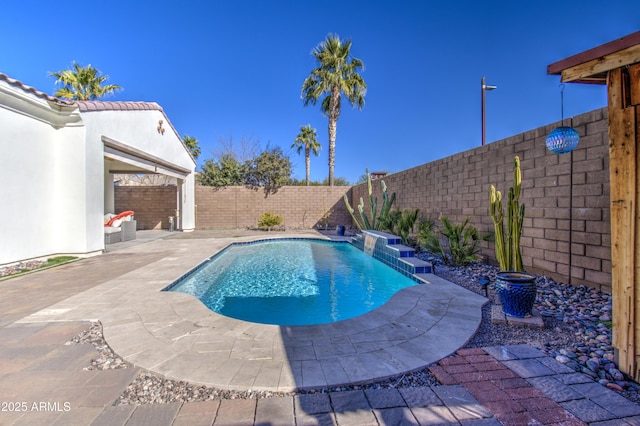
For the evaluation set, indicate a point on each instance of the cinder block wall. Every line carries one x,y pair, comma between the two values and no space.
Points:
302,207
458,187
152,204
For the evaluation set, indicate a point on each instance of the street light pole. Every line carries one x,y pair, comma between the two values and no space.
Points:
483,89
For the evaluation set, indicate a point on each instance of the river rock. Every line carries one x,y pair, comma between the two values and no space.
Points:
616,374
614,386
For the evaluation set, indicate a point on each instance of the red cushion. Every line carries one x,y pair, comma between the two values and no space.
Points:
119,216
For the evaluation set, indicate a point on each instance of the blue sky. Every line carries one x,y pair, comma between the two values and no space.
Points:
235,68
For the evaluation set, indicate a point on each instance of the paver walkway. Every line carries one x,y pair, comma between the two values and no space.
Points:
520,385
43,381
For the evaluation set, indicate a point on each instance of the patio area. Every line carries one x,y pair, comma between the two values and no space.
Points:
175,335
44,380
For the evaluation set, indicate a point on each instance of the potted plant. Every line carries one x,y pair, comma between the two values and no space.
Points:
516,288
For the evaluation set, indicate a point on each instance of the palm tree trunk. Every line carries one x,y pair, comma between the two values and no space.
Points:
307,161
334,113
332,149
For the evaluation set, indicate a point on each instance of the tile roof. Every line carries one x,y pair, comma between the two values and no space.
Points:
88,106
117,106
85,105
32,90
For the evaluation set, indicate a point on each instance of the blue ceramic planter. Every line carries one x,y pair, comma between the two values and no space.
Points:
517,293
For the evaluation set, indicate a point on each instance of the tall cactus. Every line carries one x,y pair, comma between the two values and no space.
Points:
374,222
508,252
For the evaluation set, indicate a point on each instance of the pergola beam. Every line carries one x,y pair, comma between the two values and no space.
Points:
591,66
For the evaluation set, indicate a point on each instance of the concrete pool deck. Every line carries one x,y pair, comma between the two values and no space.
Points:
175,335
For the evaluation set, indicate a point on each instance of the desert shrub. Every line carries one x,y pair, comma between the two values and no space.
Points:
268,220
400,223
456,244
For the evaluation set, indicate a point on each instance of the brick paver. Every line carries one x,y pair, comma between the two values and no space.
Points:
500,387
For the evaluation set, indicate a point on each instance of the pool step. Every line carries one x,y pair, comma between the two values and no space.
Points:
403,251
418,266
389,250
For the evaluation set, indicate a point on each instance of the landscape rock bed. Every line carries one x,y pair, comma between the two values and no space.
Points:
107,359
19,267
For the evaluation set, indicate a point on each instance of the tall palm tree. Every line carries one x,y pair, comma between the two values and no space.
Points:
82,83
308,140
337,73
193,145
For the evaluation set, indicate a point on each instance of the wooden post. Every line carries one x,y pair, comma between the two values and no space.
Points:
617,64
623,91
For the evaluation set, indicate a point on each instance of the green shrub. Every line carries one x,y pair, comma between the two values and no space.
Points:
456,244
268,220
400,223
429,238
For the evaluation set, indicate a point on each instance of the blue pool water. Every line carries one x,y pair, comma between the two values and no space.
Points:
293,282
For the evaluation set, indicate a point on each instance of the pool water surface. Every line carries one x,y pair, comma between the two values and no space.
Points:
293,282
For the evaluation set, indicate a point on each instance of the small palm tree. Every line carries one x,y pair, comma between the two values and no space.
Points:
337,73
308,140
82,83
193,145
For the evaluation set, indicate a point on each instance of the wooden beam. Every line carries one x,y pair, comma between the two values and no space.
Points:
623,164
595,53
597,68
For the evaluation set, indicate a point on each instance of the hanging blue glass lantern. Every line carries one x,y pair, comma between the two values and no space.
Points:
562,140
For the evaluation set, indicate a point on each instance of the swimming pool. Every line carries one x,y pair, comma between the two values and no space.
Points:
292,282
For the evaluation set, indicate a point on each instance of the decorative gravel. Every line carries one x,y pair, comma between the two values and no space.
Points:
107,359
576,333
16,268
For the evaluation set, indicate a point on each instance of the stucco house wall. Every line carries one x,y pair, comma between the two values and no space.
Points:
38,144
55,169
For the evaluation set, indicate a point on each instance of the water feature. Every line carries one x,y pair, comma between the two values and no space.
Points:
369,243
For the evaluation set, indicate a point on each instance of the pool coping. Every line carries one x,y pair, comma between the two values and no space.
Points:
176,336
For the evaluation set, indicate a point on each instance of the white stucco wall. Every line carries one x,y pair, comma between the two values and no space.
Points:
41,212
52,168
26,168
138,129
79,191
